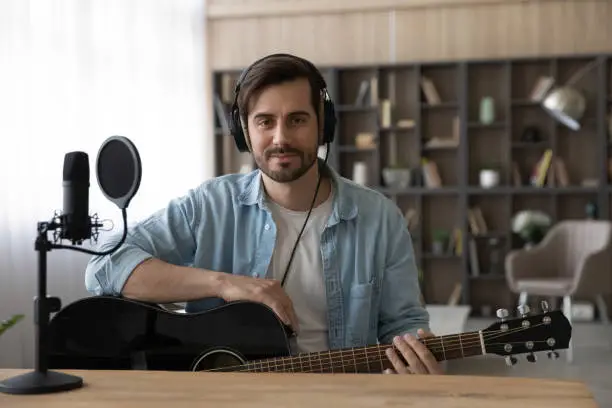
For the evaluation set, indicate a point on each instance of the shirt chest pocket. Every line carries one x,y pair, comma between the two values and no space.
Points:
359,317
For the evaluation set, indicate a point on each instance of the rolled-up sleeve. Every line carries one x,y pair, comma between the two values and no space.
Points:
167,235
401,310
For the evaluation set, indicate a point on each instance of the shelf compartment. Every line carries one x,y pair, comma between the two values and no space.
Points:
494,125
355,109
486,80
355,149
525,75
441,106
418,190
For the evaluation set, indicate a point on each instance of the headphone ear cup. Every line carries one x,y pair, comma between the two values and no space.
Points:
329,117
236,130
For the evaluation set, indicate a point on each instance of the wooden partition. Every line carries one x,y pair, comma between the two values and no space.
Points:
355,32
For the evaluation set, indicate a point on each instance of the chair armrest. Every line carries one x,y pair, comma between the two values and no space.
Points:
593,275
536,262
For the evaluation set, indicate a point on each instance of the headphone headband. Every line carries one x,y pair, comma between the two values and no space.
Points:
328,116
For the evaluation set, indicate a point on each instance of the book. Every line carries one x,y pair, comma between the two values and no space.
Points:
374,91
430,174
480,221
541,88
385,113
361,94
516,175
561,172
540,170
473,259
228,84
429,90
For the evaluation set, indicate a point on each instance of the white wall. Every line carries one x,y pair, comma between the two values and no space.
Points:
73,73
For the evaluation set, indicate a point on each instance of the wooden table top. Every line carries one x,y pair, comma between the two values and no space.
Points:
152,389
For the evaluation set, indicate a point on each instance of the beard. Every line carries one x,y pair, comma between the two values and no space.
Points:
287,173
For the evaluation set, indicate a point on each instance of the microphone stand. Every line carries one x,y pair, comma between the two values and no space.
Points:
42,380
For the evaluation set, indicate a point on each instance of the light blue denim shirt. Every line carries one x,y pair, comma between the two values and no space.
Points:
370,275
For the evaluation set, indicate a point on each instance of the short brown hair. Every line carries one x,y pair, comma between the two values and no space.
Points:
274,70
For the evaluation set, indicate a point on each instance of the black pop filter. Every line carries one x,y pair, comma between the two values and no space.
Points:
118,170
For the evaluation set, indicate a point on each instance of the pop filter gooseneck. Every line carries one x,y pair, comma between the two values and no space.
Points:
119,172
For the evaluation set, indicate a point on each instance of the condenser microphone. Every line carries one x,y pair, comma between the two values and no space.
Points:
75,220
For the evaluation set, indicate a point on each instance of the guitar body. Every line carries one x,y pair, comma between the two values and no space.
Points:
113,333
104,332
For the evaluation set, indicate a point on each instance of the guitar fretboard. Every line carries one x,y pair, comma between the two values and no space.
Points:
366,359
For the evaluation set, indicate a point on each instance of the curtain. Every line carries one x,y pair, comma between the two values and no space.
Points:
73,73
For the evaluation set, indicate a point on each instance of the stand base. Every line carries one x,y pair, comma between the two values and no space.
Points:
36,382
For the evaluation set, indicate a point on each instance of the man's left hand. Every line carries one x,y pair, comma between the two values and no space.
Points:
420,359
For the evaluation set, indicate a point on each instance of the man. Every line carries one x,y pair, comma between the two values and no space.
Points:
332,259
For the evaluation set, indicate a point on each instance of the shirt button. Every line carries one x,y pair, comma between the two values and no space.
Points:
267,227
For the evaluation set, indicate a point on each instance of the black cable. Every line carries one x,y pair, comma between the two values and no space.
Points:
307,216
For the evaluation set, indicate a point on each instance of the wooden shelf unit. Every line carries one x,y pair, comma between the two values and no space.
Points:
461,86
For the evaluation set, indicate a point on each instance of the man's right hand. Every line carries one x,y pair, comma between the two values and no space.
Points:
266,291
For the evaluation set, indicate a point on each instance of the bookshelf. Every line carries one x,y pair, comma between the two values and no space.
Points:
446,128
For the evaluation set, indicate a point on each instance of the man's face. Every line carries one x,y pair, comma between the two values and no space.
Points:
283,130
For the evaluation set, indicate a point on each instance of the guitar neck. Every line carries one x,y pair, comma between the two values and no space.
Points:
367,359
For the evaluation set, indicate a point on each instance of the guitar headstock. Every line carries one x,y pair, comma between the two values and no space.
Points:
530,333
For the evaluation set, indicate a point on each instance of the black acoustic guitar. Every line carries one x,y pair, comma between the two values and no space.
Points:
115,333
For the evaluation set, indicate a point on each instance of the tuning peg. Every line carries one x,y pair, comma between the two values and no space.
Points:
510,361
502,314
553,355
531,358
523,310
544,305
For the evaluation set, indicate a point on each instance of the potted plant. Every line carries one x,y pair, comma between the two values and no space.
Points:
440,241
7,324
531,226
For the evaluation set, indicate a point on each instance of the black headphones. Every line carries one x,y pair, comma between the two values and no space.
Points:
329,113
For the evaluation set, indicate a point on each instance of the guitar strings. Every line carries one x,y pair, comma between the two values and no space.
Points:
435,345
266,365
322,365
428,342
451,342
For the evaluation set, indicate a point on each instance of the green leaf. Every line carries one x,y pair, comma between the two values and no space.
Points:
7,324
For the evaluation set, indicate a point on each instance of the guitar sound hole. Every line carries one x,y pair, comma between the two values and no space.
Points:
218,360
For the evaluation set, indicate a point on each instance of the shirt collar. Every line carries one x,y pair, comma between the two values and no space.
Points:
250,188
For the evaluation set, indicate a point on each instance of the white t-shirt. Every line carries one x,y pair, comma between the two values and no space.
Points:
304,284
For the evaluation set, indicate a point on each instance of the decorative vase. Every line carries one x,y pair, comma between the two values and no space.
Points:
437,247
591,210
489,178
485,310
396,177
360,173
487,110
531,134
495,257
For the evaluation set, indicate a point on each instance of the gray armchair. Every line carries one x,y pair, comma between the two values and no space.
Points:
573,260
